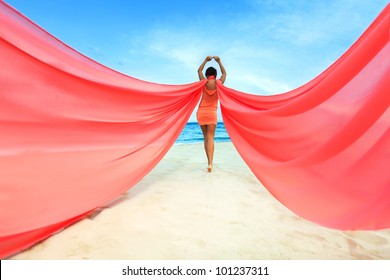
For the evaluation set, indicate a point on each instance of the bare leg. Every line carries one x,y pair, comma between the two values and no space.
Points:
204,131
210,145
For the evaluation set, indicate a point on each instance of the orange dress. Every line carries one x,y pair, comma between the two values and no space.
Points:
207,111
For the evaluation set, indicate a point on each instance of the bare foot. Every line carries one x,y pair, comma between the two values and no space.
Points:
209,168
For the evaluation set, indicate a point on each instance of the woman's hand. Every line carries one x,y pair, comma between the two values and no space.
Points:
208,58
216,58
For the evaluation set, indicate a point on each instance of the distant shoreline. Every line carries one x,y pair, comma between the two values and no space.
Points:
192,134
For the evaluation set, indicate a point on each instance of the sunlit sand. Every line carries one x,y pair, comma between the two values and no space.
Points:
180,211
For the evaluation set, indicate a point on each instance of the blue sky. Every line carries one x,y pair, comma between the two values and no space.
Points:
267,46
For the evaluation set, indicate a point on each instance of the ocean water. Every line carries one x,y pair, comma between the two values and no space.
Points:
193,134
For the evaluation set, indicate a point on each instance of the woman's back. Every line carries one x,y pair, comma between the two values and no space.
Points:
207,111
211,84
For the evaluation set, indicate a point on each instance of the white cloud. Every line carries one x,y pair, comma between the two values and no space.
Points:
176,46
277,46
259,85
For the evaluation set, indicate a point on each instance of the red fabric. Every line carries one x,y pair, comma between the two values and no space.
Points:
75,134
323,149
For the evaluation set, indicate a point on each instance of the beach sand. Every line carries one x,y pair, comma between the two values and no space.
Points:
179,211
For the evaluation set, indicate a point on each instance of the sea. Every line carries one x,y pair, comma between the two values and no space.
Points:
192,134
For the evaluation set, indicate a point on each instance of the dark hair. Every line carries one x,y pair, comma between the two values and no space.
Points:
211,71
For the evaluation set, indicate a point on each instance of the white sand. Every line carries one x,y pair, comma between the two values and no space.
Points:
179,211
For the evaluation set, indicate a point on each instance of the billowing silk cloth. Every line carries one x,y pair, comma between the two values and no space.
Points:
74,134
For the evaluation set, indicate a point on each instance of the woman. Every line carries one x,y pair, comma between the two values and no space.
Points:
207,111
